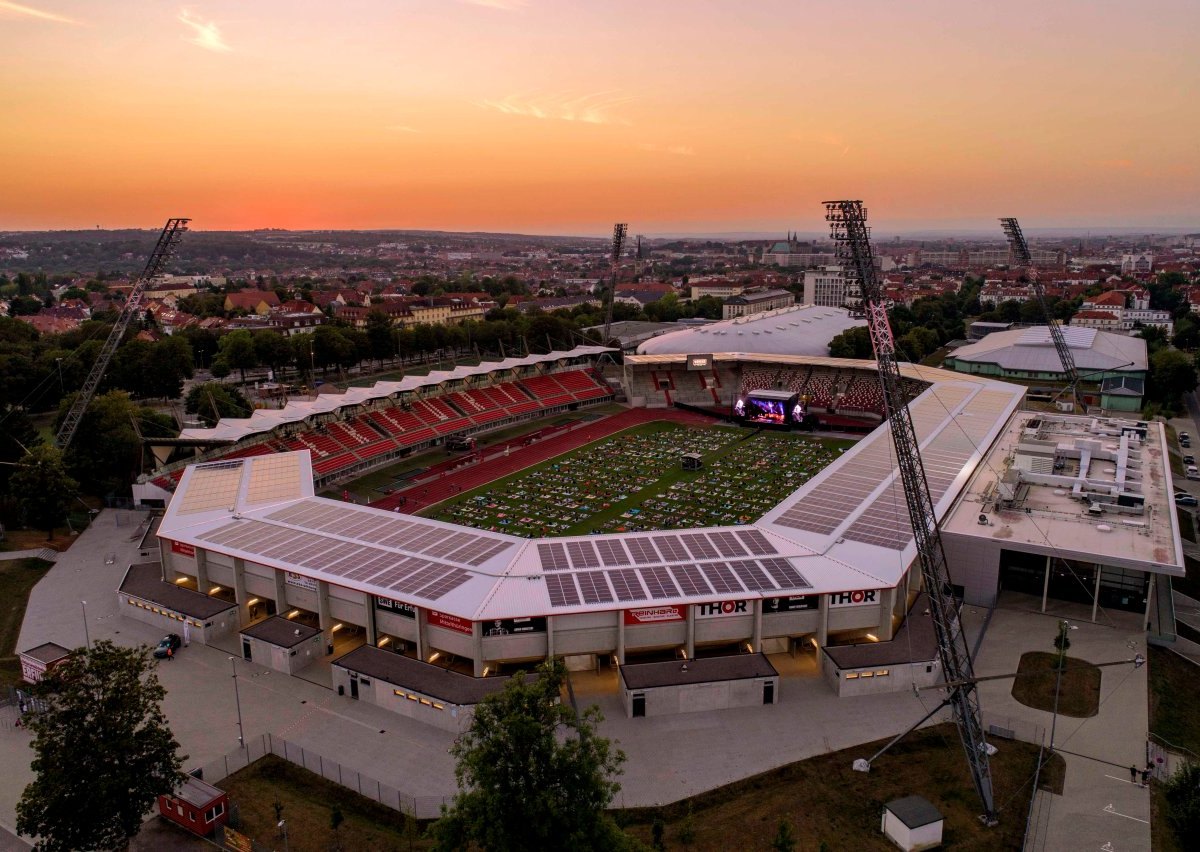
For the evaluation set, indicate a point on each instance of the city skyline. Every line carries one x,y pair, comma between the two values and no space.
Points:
559,118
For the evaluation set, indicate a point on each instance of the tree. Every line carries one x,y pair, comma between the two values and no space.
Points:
533,773
212,400
237,350
43,488
106,454
102,750
785,838
381,337
273,350
1172,374
851,343
1183,802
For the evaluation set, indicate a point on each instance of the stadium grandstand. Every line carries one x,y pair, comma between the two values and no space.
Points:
796,330
351,433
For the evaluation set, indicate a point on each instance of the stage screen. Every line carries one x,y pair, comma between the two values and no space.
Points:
770,408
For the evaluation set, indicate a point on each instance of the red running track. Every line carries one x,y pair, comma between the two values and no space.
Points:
452,482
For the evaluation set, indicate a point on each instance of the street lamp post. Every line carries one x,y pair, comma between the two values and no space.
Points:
238,701
1063,643
86,635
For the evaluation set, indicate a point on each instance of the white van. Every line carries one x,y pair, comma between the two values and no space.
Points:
1193,472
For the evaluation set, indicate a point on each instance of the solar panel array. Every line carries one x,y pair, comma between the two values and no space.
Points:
408,575
663,582
650,550
826,507
415,536
885,522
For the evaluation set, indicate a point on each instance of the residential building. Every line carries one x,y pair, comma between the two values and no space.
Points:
825,287
756,302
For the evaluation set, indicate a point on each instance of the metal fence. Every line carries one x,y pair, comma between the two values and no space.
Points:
421,807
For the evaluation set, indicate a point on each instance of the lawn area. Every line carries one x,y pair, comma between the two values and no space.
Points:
1175,700
1079,695
17,579
830,806
1187,527
308,800
634,481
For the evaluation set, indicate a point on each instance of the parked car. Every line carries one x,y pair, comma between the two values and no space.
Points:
1189,459
1193,472
170,642
1182,499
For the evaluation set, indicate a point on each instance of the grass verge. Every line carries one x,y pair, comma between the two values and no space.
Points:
1174,700
1187,527
830,806
17,579
308,801
1037,679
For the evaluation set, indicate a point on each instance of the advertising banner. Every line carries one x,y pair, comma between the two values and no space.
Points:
183,549
449,622
724,608
862,597
654,614
406,610
301,581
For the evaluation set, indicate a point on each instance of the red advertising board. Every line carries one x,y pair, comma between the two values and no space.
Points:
183,549
654,614
450,622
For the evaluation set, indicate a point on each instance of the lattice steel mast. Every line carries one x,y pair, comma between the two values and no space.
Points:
162,252
1022,255
618,243
848,225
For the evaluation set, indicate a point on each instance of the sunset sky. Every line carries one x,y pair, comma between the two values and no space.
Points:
562,116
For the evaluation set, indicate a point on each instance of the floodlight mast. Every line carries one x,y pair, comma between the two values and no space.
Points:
1023,256
163,249
851,236
618,244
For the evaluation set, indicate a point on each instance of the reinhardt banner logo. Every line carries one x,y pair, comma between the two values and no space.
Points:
653,614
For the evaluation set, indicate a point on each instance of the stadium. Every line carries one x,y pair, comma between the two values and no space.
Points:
684,608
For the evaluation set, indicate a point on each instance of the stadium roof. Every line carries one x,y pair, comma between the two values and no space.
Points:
1032,350
845,530
264,420
798,330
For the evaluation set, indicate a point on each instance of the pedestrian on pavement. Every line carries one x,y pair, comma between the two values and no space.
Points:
1145,777
1133,774
170,653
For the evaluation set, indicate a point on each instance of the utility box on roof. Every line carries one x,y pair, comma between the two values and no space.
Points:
912,823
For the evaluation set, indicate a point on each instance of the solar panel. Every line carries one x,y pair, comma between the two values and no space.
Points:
751,575
356,530
658,581
562,591
727,543
594,587
371,565
672,549
642,551
626,584
756,542
480,551
582,554
721,578
553,555
690,580
383,530
785,576
416,579
330,555
430,537
612,552
700,546
450,543
446,584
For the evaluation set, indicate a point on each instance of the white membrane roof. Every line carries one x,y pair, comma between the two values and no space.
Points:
845,529
264,420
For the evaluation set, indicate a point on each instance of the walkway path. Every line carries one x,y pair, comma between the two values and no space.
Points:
1099,807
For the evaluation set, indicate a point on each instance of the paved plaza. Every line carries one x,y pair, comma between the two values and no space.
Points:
670,757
